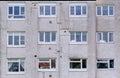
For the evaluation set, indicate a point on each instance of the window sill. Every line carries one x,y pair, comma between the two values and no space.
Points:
78,43
47,43
15,46
45,70
17,73
77,70
105,42
47,15
17,19
106,69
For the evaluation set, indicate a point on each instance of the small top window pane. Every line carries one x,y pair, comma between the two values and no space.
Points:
111,10
105,10
98,10
16,10
47,10
78,10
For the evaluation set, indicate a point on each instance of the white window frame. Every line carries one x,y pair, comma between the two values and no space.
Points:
49,61
102,41
16,4
16,60
108,10
82,69
104,61
49,4
15,34
80,4
82,42
43,42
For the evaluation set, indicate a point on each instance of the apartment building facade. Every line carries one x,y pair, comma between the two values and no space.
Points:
60,39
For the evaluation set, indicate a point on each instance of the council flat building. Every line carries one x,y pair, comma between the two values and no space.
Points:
60,39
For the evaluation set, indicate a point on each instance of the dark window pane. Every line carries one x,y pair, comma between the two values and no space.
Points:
16,10
21,66
102,65
53,36
105,36
110,10
84,36
74,59
22,40
47,36
41,10
72,36
78,10
10,40
53,64
75,65
78,36
13,66
98,10
99,37
105,10
72,10
111,63
84,10
41,36
44,65
16,40
10,10
84,63
53,10
22,10
47,10
110,37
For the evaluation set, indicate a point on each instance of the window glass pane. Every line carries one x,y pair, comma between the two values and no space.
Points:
75,65
105,10
110,37
111,63
10,40
78,10
78,36
102,65
22,40
16,10
74,59
22,10
22,66
47,10
13,66
53,10
84,36
99,38
41,36
98,10
53,36
110,10
44,65
84,10
16,40
72,36
47,36
41,10
10,10
84,63
105,36
53,64
72,10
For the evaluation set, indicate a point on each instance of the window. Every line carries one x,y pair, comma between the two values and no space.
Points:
47,64
78,64
47,37
47,10
16,66
105,10
104,37
16,11
105,64
78,37
78,10
16,39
